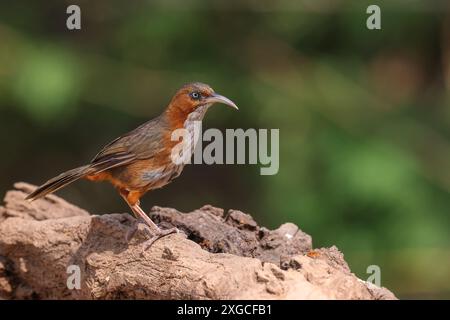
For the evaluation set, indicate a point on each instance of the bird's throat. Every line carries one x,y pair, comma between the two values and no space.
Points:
193,118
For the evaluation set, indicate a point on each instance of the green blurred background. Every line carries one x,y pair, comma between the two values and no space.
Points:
363,115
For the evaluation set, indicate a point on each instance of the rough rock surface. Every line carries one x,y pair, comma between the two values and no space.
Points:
225,255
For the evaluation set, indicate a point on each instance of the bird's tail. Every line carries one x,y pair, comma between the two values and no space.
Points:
59,182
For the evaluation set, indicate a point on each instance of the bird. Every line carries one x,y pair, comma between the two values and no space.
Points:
141,160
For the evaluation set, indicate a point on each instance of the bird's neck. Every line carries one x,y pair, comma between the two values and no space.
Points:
179,117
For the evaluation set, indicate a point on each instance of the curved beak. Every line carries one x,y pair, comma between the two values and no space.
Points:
217,98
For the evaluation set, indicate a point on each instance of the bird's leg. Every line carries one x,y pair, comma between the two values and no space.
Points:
154,231
151,229
138,215
144,217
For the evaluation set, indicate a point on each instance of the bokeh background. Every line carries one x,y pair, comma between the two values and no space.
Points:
364,115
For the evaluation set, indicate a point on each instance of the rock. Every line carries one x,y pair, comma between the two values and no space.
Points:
226,255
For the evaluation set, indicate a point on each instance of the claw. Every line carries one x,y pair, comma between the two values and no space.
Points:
147,244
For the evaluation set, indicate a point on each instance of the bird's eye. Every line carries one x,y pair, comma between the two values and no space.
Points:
195,95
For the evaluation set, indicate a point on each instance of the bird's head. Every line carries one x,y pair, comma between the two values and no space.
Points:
196,97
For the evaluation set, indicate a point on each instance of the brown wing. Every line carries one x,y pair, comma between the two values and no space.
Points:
143,142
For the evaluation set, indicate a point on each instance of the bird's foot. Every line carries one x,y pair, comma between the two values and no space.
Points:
158,235
135,226
155,234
